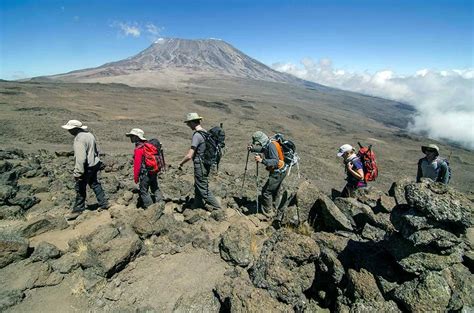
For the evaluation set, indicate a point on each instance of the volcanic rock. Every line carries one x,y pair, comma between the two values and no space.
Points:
12,248
328,217
236,245
286,266
429,292
45,251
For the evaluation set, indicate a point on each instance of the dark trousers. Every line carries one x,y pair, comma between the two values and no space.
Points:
201,187
271,190
349,189
149,181
89,178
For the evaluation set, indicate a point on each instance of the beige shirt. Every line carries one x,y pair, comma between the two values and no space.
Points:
85,152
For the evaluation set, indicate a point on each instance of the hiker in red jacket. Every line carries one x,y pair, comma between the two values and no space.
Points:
142,175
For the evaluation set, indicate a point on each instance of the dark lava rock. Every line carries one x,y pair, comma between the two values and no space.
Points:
306,196
12,248
397,190
9,298
461,282
357,212
328,217
239,296
441,203
41,225
235,245
10,212
286,266
362,286
108,250
428,293
45,251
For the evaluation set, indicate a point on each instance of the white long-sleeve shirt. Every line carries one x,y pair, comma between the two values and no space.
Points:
85,152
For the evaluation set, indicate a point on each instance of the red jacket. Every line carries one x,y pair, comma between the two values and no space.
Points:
137,161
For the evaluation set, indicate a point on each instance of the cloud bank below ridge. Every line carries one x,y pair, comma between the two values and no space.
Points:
444,100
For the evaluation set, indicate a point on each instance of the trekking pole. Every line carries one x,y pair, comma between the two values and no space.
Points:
246,165
256,181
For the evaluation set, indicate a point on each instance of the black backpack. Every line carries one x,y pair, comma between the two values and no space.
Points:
289,149
215,143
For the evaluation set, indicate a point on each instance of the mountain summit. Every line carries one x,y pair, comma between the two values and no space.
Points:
181,59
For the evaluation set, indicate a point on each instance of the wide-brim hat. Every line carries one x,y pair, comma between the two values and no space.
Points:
261,138
343,149
71,124
192,117
136,132
424,149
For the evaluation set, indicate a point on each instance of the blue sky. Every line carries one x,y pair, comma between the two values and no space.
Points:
47,37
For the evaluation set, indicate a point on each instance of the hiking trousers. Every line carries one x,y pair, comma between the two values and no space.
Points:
202,194
349,189
89,178
149,181
270,192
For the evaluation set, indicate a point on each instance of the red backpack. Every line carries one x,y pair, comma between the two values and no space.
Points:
368,159
153,156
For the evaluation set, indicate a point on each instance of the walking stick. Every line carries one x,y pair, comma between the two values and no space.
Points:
246,165
256,180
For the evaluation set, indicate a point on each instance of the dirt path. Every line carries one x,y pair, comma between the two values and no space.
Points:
84,227
159,282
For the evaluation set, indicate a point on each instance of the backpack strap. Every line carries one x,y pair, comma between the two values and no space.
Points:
281,156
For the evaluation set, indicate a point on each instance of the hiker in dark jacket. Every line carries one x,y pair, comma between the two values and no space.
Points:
203,197
141,175
270,154
432,166
354,170
87,165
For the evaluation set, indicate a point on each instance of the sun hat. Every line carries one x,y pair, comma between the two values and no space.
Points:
261,138
74,124
136,132
429,147
192,117
343,149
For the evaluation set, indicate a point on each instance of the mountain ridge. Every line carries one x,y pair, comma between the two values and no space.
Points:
182,59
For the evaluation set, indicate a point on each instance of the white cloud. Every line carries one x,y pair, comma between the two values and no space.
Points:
127,29
137,29
153,31
444,99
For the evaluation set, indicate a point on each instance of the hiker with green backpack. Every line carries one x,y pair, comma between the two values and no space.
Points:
203,160
433,166
148,161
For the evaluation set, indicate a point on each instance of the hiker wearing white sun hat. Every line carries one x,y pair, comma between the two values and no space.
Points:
87,165
354,170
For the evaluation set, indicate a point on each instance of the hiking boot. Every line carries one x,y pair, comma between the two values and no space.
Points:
103,207
73,215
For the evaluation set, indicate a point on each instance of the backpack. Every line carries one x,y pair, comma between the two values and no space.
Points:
440,174
153,156
369,162
215,144
290,156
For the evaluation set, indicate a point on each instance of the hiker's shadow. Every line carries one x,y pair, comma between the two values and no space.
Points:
246,205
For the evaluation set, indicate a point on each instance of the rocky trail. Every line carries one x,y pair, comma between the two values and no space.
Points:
409,249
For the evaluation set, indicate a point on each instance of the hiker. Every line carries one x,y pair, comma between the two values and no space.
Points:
86,168
201,170
273,159
146,178
432,166
354,170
